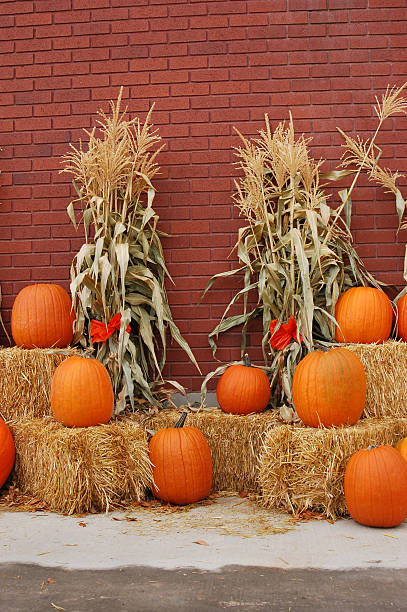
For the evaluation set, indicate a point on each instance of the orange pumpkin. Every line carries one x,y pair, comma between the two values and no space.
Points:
376,486
42,317
7,452
243,389
401,446
81,392
329,388
364,315
182,464
401,307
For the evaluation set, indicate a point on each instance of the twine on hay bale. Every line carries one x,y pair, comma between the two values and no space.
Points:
303,468
25,380
234,440
385,365
75,470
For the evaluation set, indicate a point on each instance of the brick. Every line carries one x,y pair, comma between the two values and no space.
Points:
32,44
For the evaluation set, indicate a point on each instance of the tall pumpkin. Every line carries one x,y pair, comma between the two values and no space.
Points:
329,388
401,307
182,464
42,317
81,392
364,315
7,452
376,486
243,389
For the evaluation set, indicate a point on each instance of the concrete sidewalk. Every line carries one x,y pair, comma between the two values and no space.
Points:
230,531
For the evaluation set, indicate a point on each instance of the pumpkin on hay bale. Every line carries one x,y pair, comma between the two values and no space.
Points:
25,380
76,470
303,468
234,442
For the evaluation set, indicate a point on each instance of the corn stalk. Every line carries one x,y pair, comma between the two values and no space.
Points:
121,268
295,252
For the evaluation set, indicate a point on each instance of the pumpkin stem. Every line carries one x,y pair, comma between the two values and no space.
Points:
181,421
247,360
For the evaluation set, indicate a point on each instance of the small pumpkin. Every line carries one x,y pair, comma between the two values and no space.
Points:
376,486
243,389
329,388
364,315
401,446
81,392
182,464
401,307
7,452
42,317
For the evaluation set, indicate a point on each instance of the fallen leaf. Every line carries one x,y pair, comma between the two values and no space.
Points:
243,494
51,580
132,518
201,542
115,518
56,607
42,585
43,553
82,524
70,545
390,536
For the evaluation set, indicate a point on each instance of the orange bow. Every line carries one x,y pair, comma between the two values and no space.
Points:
285,333
100,332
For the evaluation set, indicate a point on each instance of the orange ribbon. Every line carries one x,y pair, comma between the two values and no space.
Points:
100,332
285,333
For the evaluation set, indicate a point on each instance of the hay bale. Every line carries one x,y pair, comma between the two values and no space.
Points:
25,380
303,468
234,440
75,470
385,365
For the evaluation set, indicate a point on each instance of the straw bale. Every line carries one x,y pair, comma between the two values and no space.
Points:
303,467
75,470
25,380
234,440
386,366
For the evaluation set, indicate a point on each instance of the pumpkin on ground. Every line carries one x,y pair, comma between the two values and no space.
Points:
81,392
364,315
401,446
329,388
376,486
243,389
7,452
42,317
182,464
401,307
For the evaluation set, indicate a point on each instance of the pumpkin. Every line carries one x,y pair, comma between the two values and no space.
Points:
7,452
376,486
401,307
364,315
401,446
329,388
42,317
243,389
182,464
81,392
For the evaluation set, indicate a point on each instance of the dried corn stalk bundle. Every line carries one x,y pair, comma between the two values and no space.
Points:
79,469
295,252
117,277
303,468
25,380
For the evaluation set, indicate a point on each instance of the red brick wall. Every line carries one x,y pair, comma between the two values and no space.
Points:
209,66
